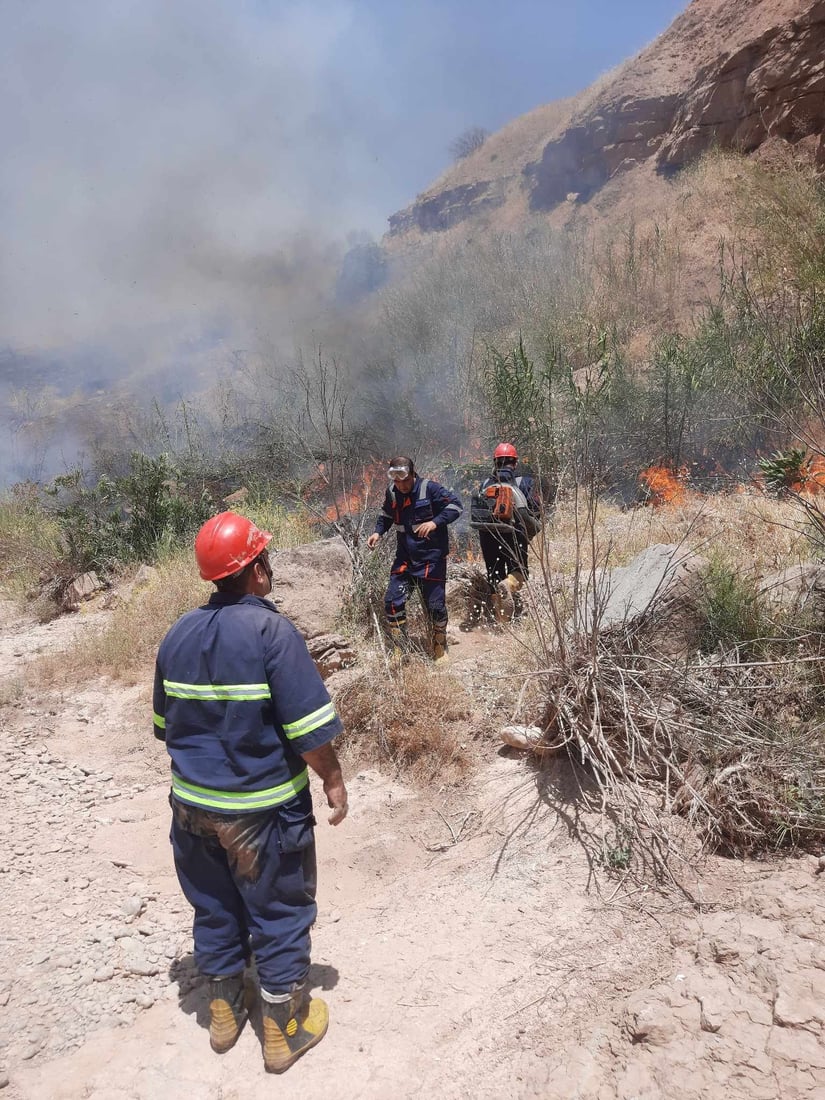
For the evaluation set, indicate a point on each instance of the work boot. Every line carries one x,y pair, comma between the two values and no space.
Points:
397,636
503,602
515,580
227,1011
506,590
291,1026
439,642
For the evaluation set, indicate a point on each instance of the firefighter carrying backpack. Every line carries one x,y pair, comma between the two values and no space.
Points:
503,506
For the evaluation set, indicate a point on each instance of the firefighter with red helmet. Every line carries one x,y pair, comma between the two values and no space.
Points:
504,532
244,713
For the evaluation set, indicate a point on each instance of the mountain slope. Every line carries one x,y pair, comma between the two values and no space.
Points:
723,74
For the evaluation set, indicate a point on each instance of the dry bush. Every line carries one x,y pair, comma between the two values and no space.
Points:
736,747
712,741
467,142
415,717
289,527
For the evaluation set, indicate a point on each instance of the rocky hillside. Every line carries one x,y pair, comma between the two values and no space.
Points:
725,73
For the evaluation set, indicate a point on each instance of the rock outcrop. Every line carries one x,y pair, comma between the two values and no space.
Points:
725,74
448,208
587,155
773,87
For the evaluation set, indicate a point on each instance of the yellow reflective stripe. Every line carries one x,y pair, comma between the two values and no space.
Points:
238,800
236,692
159,722
311,722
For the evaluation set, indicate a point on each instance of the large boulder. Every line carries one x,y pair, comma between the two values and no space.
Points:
654,594
82,588
798,589
310,582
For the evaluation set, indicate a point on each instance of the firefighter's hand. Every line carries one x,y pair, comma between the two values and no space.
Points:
336,794
424,530
372,541
324,762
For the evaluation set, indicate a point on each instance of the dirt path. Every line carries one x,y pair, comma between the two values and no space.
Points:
458,945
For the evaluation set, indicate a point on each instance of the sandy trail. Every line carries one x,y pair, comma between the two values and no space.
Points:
460,943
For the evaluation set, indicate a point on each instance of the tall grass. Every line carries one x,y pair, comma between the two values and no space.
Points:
124,649
30,542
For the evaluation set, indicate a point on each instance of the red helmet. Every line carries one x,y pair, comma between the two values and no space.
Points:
226,543
506,450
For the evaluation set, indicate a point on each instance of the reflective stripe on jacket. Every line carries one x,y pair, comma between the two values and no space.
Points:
427,500
237,699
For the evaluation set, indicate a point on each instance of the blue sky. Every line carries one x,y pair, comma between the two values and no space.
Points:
156,150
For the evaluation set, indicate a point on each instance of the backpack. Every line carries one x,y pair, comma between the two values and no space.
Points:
503,505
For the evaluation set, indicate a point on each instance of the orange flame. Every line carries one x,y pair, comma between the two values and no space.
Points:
664,485
472,452
812,477
359,498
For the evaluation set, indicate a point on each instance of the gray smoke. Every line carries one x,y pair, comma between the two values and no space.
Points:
170,175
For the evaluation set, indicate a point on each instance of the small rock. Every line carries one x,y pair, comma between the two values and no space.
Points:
37,1040
724,948
649,1021
711,1017
132,907
145,1000
105,974
142,968
521,737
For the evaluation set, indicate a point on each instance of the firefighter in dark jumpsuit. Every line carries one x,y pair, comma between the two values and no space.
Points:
505,551
243,711
420,511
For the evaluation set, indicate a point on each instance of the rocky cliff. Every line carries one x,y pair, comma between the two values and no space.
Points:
725,74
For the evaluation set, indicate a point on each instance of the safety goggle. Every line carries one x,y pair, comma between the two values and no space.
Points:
398,473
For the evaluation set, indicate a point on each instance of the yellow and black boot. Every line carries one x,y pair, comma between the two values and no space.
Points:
292,1024
227,1011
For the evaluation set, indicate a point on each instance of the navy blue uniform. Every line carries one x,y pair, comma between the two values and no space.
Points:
505,549
237,699
419,562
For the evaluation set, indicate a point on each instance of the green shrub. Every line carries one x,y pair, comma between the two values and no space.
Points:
783,469
136,517
731,611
